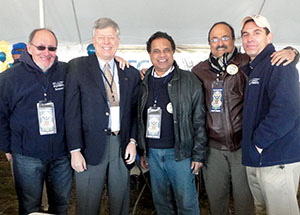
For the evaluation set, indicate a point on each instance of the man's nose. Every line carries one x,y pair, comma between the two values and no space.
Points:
106,39
220,42
250,37
162,53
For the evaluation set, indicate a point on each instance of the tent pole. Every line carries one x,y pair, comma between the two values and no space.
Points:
42,14
261,7
77,24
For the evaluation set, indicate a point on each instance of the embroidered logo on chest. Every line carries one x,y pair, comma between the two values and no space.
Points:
253,81
59,85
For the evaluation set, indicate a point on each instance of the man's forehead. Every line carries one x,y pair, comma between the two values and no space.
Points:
162,47
106,30
43,35
220,29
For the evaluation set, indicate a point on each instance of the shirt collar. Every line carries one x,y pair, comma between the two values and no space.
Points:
102,63
153,73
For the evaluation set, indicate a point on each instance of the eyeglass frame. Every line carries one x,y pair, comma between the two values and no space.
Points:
43,48
215,39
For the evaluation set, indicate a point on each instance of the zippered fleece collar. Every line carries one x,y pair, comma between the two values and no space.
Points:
26,58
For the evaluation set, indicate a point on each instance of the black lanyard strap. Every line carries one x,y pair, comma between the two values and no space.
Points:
112,80
44,87
155,95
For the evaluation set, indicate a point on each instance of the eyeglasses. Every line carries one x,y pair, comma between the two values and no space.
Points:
42,48
215,39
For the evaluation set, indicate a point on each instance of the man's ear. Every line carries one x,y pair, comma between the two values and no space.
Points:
29,47
270,37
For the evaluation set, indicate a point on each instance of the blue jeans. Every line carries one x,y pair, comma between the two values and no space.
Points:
173,183
30,174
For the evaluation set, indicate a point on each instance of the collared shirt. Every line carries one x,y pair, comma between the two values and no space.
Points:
114,71
113,114
164,75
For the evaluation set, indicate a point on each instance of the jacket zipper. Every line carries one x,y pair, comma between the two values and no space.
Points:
260,159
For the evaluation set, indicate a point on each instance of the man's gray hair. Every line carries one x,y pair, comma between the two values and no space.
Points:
104,23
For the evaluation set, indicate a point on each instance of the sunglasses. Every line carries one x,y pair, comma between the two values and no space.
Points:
42,48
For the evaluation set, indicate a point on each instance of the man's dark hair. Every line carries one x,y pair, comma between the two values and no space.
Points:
221,23
252,20
157,35
32,34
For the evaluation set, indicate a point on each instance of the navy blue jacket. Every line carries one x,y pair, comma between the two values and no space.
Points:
271,114
21,88
87,110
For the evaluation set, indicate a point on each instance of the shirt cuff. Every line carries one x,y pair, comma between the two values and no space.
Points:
75,150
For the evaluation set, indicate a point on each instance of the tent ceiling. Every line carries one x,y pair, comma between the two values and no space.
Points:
187,21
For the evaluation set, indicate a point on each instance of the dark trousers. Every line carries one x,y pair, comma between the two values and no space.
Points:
89,184
223,170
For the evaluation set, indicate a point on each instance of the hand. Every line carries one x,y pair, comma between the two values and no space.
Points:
195,166
8,156
278,57
143,162
259,149
78,161
130,153
122,62
142,73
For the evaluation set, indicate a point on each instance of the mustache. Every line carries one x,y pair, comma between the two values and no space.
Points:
221,47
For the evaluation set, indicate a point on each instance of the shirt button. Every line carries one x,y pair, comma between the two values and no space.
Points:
107,114
105,130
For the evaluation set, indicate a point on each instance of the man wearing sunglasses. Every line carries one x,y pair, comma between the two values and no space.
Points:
32,125
224,84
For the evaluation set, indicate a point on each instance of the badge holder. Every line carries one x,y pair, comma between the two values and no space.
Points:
153,122
46,116
217,96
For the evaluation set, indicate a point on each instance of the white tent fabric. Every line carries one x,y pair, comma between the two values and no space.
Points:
187,21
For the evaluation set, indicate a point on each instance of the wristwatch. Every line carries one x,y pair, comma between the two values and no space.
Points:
293,49
133,141
296,58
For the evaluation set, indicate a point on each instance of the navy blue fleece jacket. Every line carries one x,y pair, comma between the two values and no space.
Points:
271,115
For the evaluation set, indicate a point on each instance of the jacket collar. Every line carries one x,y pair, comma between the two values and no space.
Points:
265,53
220,64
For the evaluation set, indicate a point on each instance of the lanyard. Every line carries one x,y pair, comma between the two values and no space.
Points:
45,88
112,81
155,95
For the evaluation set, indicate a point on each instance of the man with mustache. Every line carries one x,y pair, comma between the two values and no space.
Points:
224,85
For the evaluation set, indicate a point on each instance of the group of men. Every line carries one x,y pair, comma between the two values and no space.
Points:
90,115
225,84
